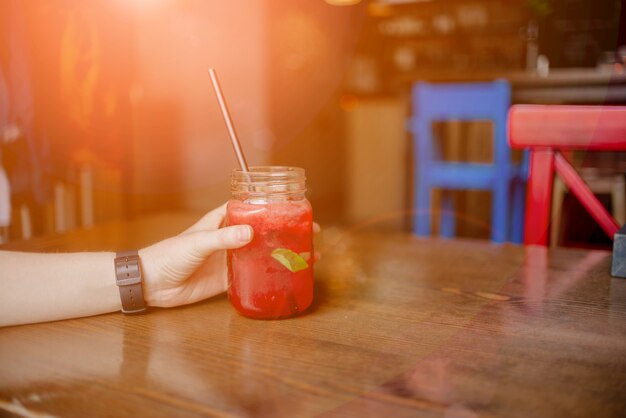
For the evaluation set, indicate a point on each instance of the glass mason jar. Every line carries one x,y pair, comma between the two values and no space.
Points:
271,277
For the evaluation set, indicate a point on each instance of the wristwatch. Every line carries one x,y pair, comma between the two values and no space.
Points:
128,278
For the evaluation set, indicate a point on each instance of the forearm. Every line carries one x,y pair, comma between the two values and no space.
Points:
48,287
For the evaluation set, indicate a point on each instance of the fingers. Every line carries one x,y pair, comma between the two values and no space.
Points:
316,230
211,220
204,243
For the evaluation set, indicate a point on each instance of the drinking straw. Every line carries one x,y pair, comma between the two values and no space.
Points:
229,122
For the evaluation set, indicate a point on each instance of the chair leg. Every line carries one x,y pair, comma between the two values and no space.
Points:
618,200
27,226
448,222
500,211
86,196
538,197
5,205
517,219
60,225
558,194
422,218
585,196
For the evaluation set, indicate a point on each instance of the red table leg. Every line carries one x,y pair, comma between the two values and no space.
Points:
584,195
538,196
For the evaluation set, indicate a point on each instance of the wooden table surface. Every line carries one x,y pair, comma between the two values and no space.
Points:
401,327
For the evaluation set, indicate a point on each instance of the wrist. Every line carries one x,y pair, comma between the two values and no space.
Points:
130,281
150,277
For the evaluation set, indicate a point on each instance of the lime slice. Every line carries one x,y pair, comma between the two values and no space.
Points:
306,256
289,259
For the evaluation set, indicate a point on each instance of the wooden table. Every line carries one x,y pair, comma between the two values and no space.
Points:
401,327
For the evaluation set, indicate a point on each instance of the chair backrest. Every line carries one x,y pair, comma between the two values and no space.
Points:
461,101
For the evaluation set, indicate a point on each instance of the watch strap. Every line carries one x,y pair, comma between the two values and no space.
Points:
128,278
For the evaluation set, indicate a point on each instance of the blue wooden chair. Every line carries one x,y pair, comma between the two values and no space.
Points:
506,181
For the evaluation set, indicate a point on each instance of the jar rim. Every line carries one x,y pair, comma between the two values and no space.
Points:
264,181
270,171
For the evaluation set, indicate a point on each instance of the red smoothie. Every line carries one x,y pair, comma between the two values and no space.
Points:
272,277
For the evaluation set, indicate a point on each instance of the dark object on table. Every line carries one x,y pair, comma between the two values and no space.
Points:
618,265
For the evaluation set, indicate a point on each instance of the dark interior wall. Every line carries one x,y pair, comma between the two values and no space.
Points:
577,33
68,68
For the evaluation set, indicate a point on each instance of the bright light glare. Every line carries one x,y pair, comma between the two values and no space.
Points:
343,2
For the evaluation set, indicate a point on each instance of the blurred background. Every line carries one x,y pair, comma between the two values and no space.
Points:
107,112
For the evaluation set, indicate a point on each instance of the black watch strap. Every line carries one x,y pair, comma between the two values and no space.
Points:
128,278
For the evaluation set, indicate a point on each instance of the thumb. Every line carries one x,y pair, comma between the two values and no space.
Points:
204,243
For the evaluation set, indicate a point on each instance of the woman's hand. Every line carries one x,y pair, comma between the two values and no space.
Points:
191,266
183,269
